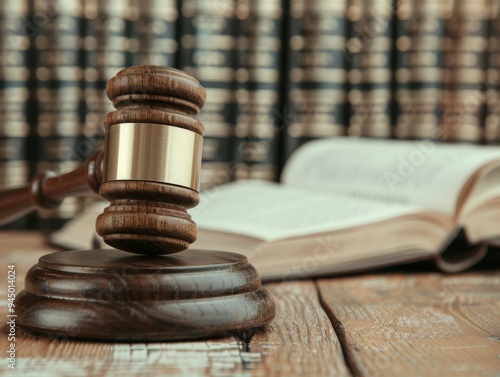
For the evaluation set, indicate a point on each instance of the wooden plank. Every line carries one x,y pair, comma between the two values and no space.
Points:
22,249
422,324
301,340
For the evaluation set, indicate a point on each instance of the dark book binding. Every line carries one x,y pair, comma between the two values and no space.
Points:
207,51
92,104
15,79
419,42
464,69
59,76
491,83
317,72
152,32
370,57
259,52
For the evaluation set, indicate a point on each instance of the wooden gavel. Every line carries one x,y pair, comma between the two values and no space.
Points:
149,169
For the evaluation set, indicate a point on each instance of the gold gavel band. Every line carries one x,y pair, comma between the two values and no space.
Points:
153,152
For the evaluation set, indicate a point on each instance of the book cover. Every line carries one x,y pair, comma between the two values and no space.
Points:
491,84
93,101
316,103
258,79
152,32
15,99
464,71
419,42
59,76
207,51
370,69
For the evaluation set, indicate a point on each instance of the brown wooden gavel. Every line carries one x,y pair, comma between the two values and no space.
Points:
47,189
149,169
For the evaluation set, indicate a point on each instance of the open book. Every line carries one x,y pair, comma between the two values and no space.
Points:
350,204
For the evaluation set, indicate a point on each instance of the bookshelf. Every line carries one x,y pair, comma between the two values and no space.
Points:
278,73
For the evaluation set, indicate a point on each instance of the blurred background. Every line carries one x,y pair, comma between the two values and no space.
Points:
277,72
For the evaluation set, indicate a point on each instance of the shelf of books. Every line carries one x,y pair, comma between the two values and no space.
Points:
278,73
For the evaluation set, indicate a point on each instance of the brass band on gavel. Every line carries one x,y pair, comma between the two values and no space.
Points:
153,152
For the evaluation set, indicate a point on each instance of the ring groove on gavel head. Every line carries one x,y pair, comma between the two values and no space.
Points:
151,181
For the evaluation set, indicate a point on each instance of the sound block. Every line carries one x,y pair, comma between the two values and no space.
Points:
117,296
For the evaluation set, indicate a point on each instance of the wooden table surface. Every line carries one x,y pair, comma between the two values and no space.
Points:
387,323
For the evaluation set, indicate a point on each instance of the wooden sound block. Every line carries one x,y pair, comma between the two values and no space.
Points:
118,296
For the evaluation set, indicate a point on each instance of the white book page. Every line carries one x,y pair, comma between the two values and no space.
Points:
405,172
268,211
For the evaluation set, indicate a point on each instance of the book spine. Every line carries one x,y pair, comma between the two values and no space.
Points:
259,55
92,102
420,41
112,53
316,74
491,85
106,50
153,35
207,52
59,94
465,64
15,74
370,50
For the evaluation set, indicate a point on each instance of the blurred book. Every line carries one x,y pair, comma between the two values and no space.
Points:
348,204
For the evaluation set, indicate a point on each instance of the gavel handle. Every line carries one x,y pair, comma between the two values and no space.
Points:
48,189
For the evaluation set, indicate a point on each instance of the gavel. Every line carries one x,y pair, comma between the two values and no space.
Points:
149,171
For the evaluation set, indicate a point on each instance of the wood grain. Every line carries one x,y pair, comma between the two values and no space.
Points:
147,217
416,325
155,94
114,295
391,325
300,341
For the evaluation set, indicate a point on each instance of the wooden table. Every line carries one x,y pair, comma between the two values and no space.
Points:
388,323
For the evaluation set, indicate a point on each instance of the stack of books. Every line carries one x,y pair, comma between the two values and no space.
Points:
278,73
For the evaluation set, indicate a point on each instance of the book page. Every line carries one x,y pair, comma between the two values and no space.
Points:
269,212
80,233
414,172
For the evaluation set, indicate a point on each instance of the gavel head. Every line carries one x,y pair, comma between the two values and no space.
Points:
152,159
